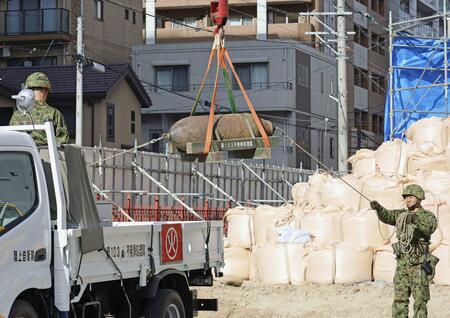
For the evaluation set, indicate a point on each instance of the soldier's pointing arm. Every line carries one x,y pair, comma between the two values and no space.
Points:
388,216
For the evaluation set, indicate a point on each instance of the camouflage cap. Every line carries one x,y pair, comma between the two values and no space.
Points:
38,79
415,190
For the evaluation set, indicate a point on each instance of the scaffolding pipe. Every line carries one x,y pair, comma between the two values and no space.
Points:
445,56
173,196
391,84
215,186
263,181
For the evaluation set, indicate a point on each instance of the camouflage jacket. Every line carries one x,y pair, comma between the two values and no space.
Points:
40,113
423,226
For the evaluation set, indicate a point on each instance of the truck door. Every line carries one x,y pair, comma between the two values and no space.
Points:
25,243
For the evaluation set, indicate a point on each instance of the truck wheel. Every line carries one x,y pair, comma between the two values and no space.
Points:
23,309
166,304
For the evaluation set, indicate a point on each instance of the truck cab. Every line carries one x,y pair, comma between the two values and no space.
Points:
50,267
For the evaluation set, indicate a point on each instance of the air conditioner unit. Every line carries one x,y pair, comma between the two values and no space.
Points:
5,51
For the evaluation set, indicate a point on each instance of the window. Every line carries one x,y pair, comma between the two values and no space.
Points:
18,189
127,14
378,6
133,122
32,61
378,84
361,36
303,75
360,77
174,78
134,17
331,147
361,119
252,75
378,44
110,122
240,20
184,23
377,124
155,147
278,17
99,10
321,82
160,24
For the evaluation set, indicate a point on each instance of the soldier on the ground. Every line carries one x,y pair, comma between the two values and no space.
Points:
41,112
415,264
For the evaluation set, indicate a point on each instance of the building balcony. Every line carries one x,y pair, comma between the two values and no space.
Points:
39,24
188,4
431,5
294,31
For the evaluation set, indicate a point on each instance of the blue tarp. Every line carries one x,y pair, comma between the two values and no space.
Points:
410,104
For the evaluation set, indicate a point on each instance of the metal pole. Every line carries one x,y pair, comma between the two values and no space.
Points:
391,82
215,186
342,87
445,56
159,184
263,181
79,94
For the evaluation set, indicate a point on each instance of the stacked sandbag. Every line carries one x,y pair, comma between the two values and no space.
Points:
363,162
443,217
438,183
442,274
353,263
429,135
299,193
324,225
237,263
392,157
339,193
321,264
363,227
419,161
384,264
387,190
266,219
240,226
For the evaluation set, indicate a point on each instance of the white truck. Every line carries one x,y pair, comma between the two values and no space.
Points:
53,267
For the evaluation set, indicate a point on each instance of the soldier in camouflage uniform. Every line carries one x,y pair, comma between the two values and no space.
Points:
41,112
415,265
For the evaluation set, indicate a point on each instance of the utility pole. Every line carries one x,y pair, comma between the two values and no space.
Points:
341,56
342,88
79,93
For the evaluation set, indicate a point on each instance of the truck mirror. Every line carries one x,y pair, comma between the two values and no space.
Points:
24,100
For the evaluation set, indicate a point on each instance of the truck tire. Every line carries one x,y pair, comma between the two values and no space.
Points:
23,309
166,304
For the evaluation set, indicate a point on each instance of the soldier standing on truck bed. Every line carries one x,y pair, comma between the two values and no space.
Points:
415,265
41,112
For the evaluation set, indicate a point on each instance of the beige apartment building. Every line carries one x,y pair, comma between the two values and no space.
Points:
44,32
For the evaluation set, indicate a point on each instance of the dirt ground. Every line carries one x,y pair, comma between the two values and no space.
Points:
367,300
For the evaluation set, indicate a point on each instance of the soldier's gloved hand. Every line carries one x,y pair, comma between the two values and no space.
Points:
374,205
411,218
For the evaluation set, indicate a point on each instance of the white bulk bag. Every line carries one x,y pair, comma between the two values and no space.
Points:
338,193
391,157
323,226
443,216
386,190
239,226
363,162
384,264
253,270
263,217
442,275
364,228
438,183
297,261
353,263
429,135
272,264
315,183
436,239
237,262
321,264
300,193
419,161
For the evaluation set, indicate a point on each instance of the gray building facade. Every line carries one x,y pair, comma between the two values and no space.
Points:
288,83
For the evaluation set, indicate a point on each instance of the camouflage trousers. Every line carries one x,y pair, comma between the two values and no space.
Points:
410,280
